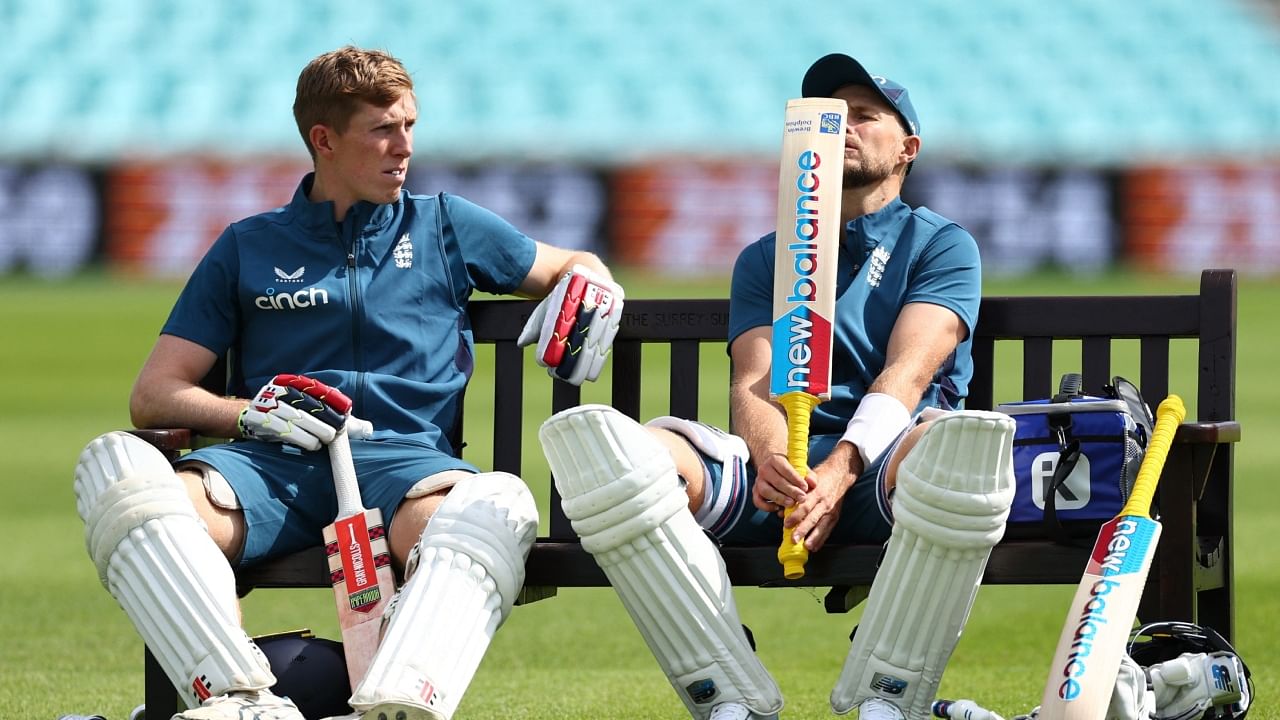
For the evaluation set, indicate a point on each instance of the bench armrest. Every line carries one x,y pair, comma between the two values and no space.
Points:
170,441
1219,431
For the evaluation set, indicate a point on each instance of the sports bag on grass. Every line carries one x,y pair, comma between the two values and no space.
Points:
1075,458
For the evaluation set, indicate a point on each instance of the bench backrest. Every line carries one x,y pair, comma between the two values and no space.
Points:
1098,323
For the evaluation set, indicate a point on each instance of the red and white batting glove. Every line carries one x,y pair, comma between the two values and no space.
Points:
575,325
297,410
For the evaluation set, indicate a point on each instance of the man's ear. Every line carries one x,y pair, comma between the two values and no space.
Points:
321,137
910,149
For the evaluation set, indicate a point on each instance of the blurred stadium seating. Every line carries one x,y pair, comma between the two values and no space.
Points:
1076,134
1075,81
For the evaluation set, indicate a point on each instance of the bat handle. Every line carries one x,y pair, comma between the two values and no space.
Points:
358,429
799,407
344,475
1169,415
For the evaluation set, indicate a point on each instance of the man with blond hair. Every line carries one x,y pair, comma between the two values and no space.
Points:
353,295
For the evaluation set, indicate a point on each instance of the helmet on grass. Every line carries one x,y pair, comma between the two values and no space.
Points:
310,671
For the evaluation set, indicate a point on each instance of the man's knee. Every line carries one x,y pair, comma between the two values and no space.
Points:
224,520
419,504
409,521
692,444
688,464
899,451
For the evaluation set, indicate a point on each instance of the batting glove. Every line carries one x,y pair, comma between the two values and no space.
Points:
575,325
1188,685
1132,698
297,410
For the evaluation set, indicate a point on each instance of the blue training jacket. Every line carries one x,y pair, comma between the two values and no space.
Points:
887,259
374,306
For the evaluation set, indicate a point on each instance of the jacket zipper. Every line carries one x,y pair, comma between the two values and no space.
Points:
357,308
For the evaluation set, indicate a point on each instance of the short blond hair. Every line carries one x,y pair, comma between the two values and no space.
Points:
332,86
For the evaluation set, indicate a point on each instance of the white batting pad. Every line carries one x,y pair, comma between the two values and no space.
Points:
469,569
954,489
623,498
155,557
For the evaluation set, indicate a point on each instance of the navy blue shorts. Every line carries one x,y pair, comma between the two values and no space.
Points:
864,515
287,493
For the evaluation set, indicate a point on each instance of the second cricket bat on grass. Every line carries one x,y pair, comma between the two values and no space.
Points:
359,560
804,278
1087,660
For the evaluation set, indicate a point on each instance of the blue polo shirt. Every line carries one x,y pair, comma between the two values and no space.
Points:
894,256
375,306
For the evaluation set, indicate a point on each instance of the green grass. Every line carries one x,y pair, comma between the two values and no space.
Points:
69,353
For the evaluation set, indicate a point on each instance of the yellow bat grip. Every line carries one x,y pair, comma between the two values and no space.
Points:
1169,416
799,406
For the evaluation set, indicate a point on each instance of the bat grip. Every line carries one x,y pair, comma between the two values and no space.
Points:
344,476
799,407
1169,416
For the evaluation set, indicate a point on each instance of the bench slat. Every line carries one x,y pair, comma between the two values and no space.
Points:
1037,368
508,388
626,377
981,387
684,378
1153,366
1095,363
1113,316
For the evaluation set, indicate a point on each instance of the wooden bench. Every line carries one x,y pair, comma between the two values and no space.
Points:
1191,580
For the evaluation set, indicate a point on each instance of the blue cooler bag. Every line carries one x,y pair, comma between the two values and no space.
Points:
1075,458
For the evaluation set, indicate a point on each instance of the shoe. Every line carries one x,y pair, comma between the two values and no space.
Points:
877,709
391,711
736,711
247,705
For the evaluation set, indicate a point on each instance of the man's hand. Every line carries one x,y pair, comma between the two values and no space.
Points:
816,514
295,409
777,484
575,325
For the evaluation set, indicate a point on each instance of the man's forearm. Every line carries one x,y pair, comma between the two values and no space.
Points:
759,422
904,386
186,406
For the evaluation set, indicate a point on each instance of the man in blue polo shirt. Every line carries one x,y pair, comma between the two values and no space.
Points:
350,300
907,302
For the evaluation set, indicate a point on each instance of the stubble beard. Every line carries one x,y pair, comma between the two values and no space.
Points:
866,173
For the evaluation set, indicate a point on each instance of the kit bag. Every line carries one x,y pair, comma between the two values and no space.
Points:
1075,458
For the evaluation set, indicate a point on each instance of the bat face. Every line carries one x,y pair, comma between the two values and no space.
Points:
808,237
359,562
363,583
1100,619
1087,660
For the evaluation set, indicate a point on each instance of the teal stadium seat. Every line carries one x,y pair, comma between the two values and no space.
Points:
1086,81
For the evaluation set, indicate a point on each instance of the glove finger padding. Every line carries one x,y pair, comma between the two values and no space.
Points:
575,325
295,409
1131,699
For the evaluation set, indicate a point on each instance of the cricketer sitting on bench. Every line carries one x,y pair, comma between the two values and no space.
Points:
361,290
907,294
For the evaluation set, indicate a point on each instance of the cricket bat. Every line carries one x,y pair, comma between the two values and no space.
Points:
1087,660
810,177
359,560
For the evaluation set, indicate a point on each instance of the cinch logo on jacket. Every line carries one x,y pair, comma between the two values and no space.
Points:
309,297
283,300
